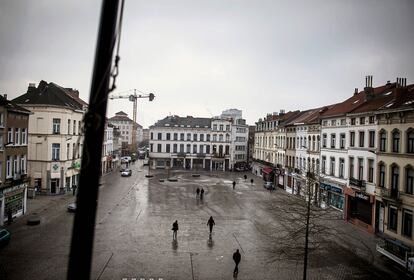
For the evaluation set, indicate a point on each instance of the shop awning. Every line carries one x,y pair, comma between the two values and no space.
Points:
267,170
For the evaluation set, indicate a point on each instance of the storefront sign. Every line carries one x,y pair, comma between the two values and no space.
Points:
55,167
361,196
76,165
330,188
14,188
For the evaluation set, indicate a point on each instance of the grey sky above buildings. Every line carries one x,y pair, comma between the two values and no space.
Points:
201,57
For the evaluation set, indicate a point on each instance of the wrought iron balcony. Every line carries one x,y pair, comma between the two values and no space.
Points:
356,183
391,195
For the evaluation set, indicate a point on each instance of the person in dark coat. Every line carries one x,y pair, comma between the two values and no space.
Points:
251,181
245,177
197,192
201,193
234,184
211,223
9,216
175,229
74,189
236,258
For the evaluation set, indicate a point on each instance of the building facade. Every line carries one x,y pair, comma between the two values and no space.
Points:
55,136
124,125
14,183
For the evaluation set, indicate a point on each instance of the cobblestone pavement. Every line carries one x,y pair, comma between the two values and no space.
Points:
134,238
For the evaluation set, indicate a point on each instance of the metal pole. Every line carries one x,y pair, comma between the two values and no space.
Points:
80,257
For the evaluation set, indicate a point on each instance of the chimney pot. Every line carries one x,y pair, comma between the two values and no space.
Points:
356,91
5,96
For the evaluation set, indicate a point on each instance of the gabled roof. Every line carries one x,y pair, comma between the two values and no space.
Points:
356,102
121,116
11,106
185,121
50,94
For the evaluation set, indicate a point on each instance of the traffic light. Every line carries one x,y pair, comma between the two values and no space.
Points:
151,96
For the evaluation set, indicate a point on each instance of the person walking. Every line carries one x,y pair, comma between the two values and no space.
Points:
197,192
245,177
251,181
234,184
74,189
236,258
201,193
211,223
175,229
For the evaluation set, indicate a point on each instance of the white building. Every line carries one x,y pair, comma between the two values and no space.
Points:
108,162
125,126
55,136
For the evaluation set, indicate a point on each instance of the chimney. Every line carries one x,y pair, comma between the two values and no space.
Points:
368,89
5,96
282,112
401,82
400,88
356,91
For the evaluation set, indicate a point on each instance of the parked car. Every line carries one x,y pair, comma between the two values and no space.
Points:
146,162
72,207
4,237
126,159
126,173
269,185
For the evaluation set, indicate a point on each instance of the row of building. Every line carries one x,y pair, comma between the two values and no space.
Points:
41,143
356,156
218,143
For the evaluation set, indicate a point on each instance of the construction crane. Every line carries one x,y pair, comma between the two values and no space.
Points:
132,96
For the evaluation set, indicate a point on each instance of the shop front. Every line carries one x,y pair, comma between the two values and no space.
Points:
359,208
331,195
268,174
13,199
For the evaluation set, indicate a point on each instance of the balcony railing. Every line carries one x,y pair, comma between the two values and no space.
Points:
360,184
391,195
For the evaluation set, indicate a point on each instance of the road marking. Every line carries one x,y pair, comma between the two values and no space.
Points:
138,215
191,261
106,264
238,243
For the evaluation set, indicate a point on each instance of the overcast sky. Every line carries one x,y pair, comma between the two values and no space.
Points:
201,57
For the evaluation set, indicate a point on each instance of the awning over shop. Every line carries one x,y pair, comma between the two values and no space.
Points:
267,170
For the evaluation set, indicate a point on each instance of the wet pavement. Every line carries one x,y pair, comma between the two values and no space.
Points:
134,237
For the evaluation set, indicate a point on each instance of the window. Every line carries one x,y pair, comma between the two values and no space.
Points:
201,137
221,127
371,119
221,137
396,141
181,148
188,148
352,121
159,136
332,166
67,150
68,126
370,170
23,164
1,119
352,138
194,137
188,136
214,138
360,168
382,175
343,121
55,151
341,167
324,140
8,167
208,137
167,148
323,165
182,136
395,173
151,148
383,141
168,136
79,127
409,180
227,149
175,136
371,139
407,225
74,127
392,218
56,126
9,135
362,120
15,164
351,167
333,122
361,138
1,145
152,135
342,140
214,126
201,149
207,149
17,136
194,149
159,148
410,141
227,127
333,140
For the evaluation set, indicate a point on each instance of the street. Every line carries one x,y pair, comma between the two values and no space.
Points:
133,236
